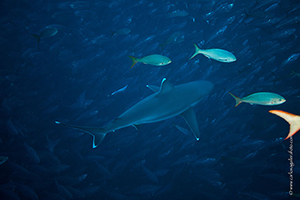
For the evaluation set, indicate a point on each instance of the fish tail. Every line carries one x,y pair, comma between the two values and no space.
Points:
37,37
134,61
97,133
112,33
197,51
293,72
293,120
238,100
161,46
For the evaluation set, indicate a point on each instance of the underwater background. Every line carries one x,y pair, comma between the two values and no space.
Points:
75,76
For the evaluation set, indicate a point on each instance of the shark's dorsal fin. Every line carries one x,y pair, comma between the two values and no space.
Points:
165,86
154,88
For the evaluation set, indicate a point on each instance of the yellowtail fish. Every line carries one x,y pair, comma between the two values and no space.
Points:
293,120
220,55
155,59
47,32
260,98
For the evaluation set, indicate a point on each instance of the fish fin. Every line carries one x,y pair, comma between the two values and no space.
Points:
134,61
161,46
116,119
135,126
154,88
293,72
183,130
197,51
97,133
190,118
165,86
37,37
239,71
238,100
112,33
293,120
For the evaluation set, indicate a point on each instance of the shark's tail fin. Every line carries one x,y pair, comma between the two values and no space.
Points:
293,120
197,51
238,100
97,133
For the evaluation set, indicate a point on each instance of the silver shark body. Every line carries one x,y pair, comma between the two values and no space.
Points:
166,102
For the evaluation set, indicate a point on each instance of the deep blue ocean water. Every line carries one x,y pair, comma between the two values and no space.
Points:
72,75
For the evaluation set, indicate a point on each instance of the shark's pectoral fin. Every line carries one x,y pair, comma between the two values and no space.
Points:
153,88
190,118
97,137
97,133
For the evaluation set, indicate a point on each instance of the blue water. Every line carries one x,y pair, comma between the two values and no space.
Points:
71,77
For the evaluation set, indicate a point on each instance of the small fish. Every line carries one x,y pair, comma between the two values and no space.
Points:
216,54
119,90
47,32
178,13
122,31
290,59
32,153
155,59
171,38
260,98
293,120
3,159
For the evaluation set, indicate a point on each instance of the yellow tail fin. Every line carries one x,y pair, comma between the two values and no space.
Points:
238,100
196,51
293,120
134,61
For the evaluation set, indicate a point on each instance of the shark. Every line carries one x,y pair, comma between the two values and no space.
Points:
166,102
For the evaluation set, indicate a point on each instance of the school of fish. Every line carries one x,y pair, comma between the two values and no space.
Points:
179,137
